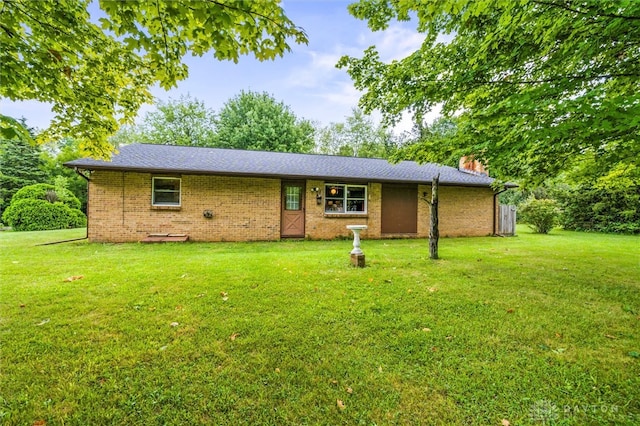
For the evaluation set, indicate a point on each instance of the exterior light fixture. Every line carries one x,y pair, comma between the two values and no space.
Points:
318,194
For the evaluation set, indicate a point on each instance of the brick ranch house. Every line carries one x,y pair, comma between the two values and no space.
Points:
211,194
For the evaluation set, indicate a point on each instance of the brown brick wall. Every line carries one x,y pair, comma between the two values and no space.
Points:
321,226
248,209
244,209
464,211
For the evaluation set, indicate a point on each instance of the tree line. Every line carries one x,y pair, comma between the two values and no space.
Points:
250,120
546,93
257,121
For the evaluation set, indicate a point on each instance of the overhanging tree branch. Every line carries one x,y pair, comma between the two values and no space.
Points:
574,10
164,32
250,13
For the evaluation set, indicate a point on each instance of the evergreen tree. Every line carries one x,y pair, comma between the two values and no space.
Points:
20,165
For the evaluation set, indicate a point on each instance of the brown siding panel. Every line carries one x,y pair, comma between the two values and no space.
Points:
399,209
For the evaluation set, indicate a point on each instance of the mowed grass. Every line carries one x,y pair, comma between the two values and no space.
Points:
534,329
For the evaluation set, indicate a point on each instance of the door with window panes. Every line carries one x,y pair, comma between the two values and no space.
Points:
292,216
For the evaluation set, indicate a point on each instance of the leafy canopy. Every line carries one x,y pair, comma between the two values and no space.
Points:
183,121
534,82
256,121
358,136
98,76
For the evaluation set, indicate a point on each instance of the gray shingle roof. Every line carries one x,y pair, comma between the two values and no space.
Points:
192,160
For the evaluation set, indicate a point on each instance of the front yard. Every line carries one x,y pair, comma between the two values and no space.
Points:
535,329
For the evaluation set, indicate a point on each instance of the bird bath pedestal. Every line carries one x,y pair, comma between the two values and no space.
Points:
357,256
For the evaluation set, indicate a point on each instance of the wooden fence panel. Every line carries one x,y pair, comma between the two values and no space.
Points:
507,220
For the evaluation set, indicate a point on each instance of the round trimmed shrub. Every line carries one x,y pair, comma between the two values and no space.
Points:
78,219
38,215
540,215
46,192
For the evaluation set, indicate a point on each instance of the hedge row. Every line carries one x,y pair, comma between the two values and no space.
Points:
600,210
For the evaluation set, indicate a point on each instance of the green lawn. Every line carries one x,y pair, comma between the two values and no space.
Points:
534,329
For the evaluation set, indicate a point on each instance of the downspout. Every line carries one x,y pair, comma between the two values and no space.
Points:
85,177
87,234
495,204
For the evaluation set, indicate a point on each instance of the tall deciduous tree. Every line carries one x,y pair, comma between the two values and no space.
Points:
98,76
426,138
256,121
184,121
358,136
534,82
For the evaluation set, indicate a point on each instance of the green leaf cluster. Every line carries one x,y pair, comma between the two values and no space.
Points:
54,155
590,199
533,83
97,76
426,143
43,191
40,215
250,120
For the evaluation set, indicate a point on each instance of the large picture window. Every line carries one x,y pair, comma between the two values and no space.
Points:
166,191
340,198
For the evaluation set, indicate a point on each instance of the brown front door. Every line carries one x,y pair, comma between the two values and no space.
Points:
292,225
399,209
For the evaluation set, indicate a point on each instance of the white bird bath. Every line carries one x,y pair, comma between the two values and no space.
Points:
357,256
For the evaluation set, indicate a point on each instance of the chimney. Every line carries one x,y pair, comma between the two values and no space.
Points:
469,164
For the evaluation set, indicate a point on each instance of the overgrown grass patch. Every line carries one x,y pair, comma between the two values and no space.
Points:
533,329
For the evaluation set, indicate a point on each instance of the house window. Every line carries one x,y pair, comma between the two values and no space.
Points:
341,198
166,191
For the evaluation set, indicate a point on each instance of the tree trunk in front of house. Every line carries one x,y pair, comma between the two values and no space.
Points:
434,233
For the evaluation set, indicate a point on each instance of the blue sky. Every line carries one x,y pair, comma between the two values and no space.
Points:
305,79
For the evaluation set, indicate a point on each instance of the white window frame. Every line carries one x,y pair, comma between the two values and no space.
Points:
165,204
345,199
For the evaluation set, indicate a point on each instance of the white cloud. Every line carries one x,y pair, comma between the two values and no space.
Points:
395,43
345,95
38,114
320,68
329,92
